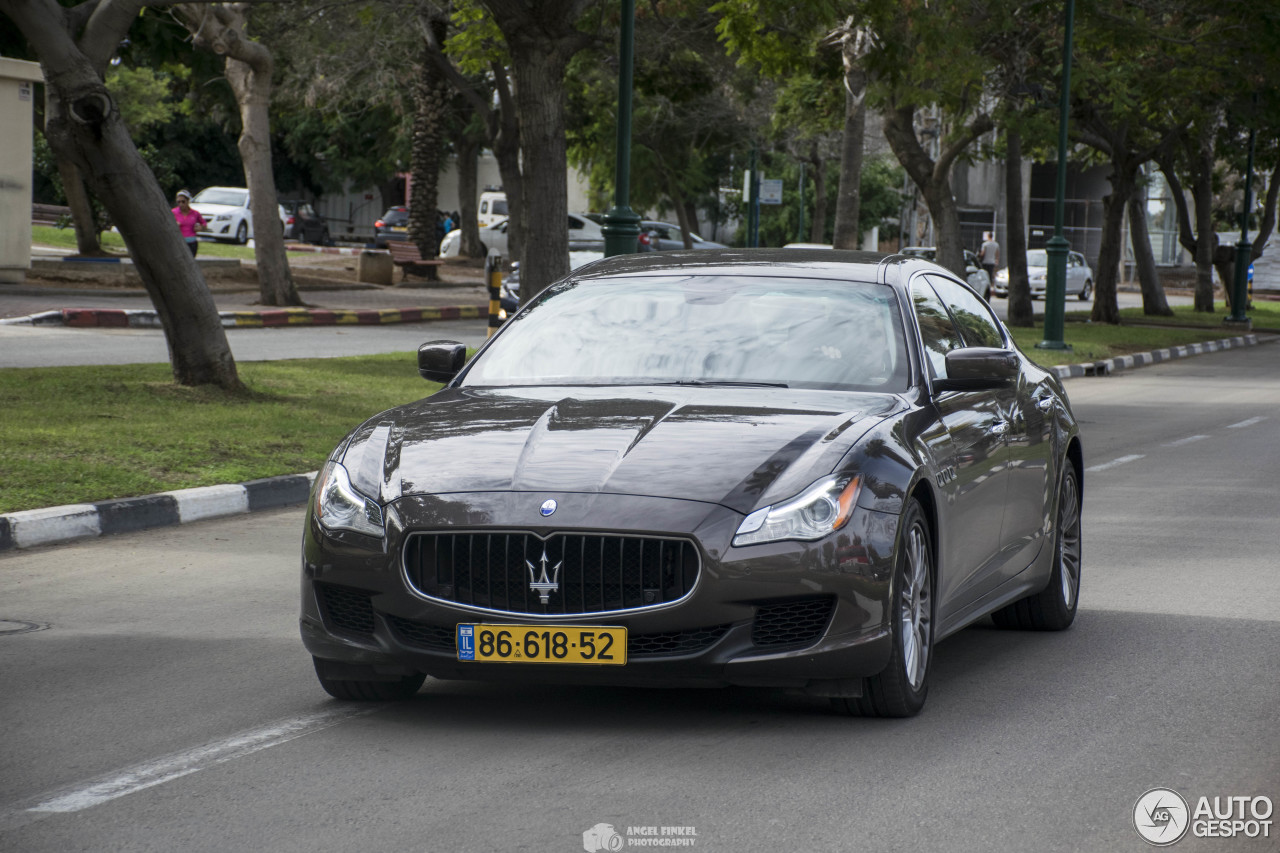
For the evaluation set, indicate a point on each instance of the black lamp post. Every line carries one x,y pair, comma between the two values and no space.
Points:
1055,286
622,224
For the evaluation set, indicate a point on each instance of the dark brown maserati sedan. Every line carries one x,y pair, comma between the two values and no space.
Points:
792,468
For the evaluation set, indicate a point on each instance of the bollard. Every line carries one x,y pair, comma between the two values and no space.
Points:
493,278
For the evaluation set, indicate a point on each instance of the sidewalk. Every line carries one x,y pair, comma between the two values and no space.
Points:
326,283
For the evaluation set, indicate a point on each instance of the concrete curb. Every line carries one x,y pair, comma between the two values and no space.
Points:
119,318
1142,359
58,524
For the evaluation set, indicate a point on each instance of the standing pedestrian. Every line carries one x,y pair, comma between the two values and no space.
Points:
989,255
188,218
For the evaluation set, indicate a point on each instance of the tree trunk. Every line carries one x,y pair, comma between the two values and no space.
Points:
540,101
1021,312
848,234
933,178
1206,237
220,28
818,227
88,244
1105,307
506,150
84,127
1154,303
468,192
431,105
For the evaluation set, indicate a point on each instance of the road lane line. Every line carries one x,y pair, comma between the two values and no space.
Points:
1114,462
1186,440
148,774
1247,423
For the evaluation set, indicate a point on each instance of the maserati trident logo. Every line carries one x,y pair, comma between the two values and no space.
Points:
544,585
548,507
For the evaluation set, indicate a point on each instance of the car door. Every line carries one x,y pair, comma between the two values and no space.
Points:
1024,405
969,452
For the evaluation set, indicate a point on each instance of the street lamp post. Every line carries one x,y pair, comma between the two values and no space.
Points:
1055,286
1244,249
622,224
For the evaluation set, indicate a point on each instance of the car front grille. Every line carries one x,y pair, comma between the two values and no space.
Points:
441,638
564,574
792,624
346,609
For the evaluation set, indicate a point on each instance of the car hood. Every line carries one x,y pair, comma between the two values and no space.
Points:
741,448
207,209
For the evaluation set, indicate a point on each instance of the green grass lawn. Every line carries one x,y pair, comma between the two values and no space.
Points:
1264,313
77,434
65,238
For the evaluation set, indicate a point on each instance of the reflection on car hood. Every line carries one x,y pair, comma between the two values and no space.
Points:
207,209
740,447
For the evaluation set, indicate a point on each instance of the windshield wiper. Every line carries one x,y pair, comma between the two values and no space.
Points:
730,382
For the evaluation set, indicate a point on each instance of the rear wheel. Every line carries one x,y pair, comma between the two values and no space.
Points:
900,689
362,690
1054,608
1086,291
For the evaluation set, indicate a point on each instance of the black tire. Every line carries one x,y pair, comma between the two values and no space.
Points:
366,691
242,233
1086,291
1054,608
901,688
325,239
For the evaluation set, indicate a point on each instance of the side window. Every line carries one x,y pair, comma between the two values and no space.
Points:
484,207
500,207
575,224
974,320
936,329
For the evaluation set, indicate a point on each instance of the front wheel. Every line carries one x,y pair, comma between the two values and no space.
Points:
900,689
1054,609
242,233
1086,291
371,690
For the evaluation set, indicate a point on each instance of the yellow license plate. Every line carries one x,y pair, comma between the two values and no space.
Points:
594,644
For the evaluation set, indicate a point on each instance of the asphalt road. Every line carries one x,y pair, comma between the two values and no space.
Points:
54,346
169,704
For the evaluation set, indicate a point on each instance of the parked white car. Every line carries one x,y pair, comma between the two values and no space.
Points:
1079,276
493,238
226,209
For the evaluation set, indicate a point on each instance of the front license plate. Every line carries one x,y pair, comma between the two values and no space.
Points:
542,644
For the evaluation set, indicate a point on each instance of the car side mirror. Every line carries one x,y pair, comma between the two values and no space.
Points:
978,368
440,361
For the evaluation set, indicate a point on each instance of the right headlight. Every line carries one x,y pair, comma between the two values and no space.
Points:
339,506
818,510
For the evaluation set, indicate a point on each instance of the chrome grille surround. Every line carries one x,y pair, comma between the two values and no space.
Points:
488,571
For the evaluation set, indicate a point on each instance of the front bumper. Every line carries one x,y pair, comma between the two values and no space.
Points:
787,614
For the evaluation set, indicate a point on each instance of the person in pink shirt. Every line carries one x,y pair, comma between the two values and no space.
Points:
188,218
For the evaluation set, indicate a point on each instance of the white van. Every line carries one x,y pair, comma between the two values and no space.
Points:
493,207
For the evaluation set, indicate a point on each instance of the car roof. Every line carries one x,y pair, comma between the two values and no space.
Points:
795,263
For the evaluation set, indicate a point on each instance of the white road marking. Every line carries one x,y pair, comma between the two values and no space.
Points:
1186,440
167,768
1114,462
1247,423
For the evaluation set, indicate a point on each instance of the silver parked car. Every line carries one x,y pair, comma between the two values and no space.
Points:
1079,275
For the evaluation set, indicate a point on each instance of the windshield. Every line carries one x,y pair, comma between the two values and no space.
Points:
216,195
675,329
1037,258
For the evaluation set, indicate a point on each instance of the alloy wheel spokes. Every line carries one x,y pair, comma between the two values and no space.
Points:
915,609
1069,536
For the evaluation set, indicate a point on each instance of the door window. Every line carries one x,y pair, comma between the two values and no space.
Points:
937,331
977,325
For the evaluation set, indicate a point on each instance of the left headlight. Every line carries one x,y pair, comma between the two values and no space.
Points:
818,510
340,507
